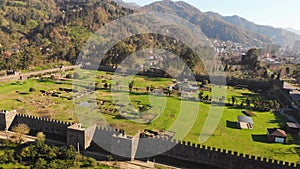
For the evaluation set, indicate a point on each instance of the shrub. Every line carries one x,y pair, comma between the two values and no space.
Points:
32,89
40,164
69,76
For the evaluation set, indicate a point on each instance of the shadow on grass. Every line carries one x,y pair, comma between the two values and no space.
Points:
255,94
138,94
24,93
119,117
44,80
17,83
262,138
297,150
245,113
155,79
232,125
292,150
249,113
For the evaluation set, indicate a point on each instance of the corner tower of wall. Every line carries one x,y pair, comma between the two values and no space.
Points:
78,136
6,119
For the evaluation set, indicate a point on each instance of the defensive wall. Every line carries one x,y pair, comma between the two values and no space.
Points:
220,158
116,141
202,154
57,129
252,84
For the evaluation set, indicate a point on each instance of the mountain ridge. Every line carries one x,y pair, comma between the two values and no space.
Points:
293,30
280,36
130,5
216,26
213,27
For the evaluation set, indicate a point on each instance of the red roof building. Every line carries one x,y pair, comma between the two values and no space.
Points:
276,135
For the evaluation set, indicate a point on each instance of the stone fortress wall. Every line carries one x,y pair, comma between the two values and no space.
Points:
135,147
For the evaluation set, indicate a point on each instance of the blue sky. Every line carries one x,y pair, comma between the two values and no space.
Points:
277,13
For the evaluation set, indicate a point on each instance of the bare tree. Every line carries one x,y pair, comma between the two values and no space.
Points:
21,130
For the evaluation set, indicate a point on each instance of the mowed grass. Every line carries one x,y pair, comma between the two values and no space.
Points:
226,136
179,116
254,142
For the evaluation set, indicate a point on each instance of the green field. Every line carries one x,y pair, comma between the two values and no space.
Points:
226,136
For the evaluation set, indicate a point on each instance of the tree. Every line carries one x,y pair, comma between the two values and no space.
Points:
265,74
205,82
296,73
32,89
233,99
279,74
200,95
120,52
226,68
206,98
130,86
271,104
69,76
7,157
91,162
40,137
71,57
251,59
287,70
105,85
40,164
21,130
248,102
14,62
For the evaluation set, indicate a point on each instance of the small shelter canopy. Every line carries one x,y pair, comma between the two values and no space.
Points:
245,119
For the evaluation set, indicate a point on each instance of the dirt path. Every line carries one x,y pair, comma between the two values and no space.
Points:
23,76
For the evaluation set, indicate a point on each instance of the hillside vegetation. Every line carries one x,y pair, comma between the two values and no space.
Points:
39,32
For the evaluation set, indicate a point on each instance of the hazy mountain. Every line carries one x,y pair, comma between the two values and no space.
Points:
293,30
212,26
130,5
279,36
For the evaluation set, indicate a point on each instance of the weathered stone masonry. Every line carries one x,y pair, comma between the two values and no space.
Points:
132,147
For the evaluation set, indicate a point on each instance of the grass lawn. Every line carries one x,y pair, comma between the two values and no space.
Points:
253,142
226,135
16,96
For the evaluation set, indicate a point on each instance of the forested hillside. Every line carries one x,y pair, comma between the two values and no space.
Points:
38,34
41,32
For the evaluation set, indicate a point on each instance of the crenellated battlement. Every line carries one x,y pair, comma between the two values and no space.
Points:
109,130
218,157
106,137
43,119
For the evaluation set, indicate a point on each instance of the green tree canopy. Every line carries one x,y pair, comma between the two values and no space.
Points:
251,59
